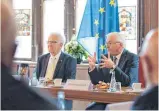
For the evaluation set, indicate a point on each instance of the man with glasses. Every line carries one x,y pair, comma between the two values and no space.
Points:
118,59
56,64
148,100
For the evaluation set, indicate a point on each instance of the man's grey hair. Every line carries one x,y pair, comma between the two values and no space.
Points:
61,36
120,37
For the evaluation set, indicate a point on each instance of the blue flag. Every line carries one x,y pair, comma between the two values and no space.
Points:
100,18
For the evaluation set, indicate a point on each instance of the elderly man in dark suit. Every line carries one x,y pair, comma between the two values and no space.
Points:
56,64
149,59
15,95
125,65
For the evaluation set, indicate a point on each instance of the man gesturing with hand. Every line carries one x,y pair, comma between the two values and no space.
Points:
92,61
107,62
118,59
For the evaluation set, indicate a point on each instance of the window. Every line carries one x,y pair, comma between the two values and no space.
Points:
23,17
53,19
127,14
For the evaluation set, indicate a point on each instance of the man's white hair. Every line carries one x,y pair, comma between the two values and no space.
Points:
120,37
61,36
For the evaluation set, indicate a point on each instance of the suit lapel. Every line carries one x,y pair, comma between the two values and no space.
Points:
122,58
58,66
45,64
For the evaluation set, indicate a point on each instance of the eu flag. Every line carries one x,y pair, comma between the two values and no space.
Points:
100,18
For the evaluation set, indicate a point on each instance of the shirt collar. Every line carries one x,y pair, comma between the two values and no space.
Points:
119,55
56,56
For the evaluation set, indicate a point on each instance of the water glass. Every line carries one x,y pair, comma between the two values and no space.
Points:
41,80
118,86
34,82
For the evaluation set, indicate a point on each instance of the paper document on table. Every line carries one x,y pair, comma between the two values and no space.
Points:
77,84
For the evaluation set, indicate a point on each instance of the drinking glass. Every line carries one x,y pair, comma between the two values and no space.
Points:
34,81
118,86
41,80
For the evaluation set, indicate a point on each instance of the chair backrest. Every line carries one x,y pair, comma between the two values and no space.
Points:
141,74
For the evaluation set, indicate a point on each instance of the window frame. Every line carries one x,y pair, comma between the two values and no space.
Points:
36,45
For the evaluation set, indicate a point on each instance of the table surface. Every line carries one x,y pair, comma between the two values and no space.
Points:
93,95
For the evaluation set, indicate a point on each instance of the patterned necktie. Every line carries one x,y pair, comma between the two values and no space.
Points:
50,69
115,60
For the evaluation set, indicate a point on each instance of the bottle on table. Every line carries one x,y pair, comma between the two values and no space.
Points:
112,82
61,100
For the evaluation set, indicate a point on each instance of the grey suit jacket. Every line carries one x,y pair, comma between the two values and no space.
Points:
65,68
126,72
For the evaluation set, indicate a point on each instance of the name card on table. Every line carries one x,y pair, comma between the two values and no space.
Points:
77,84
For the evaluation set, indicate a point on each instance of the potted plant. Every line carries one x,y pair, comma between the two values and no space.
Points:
76,50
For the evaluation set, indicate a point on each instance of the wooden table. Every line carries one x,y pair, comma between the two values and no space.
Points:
91,95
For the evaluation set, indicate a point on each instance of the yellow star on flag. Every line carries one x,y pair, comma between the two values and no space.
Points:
102,47
97,35
96,22
112,2
101,10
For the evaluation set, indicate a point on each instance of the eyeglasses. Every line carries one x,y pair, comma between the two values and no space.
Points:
52,42
110,43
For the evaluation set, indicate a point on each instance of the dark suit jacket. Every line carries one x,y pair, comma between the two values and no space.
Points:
16,95
147,101
65,68
126,72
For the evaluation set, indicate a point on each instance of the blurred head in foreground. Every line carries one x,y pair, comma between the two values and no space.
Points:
8,34
15,95
149,58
